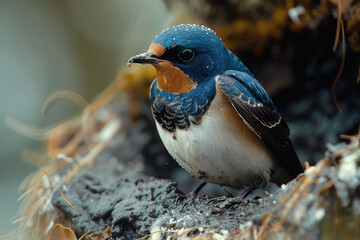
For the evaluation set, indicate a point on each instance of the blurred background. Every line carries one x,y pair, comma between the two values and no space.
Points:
50,45
47,46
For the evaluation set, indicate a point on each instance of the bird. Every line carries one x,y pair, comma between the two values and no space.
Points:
212,115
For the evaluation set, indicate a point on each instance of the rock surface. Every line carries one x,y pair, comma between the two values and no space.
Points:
133,204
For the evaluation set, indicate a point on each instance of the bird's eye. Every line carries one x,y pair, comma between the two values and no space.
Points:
186,55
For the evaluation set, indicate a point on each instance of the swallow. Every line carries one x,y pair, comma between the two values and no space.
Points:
212,115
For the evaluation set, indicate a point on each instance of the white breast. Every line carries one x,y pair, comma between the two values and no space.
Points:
221,149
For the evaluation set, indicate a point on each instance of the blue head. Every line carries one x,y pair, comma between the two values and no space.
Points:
186,56
194,49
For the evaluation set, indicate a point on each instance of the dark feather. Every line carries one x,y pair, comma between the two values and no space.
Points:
176,111
254,105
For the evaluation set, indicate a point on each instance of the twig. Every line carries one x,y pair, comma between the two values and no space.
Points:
84,235
337,26
29,191
340,70
75,97
66,200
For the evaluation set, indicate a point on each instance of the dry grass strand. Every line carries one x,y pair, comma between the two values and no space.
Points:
75,97
67,200
340,70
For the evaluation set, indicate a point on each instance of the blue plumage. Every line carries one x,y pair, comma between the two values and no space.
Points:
190,35
245,83
205,65
177,110
202,70
209,70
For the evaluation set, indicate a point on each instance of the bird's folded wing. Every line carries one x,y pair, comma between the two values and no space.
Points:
255,107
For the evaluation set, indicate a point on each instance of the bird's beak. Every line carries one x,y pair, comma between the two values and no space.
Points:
144,58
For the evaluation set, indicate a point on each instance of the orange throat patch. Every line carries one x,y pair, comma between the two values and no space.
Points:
172,79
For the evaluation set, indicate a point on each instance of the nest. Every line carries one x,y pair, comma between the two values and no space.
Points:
94,180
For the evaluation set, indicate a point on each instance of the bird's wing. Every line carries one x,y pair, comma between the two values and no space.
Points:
255,107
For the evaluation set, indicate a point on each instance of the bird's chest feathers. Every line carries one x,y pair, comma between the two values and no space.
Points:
172,79
221,148
178,111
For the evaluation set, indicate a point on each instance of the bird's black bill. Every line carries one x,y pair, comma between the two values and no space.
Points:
144,58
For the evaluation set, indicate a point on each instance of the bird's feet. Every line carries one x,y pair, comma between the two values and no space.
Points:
250,190
225,202
197,189
192,195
